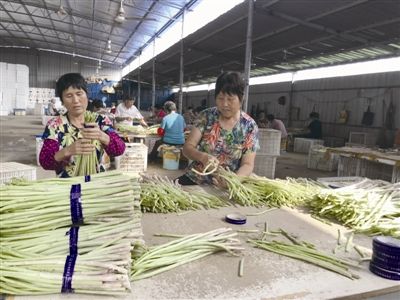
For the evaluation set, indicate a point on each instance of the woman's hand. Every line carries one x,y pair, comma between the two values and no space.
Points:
92,131
80,146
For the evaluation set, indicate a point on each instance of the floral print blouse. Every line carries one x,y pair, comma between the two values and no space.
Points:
228,146
60,133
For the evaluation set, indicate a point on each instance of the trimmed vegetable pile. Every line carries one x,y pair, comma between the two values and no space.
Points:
370,206
259,191
162,195
148,262
138,129
305,253
44,249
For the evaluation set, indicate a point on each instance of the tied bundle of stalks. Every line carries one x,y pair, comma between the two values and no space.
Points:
87,164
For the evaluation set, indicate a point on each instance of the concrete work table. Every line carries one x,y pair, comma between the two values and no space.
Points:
266,275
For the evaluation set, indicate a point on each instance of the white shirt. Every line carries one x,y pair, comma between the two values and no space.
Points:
122,111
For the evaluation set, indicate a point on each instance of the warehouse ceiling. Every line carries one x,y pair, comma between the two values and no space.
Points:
288,35
97,29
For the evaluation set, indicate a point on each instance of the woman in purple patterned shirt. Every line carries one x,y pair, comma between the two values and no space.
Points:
68,135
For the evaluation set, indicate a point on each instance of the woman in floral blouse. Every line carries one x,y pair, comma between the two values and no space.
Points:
68,135
223,134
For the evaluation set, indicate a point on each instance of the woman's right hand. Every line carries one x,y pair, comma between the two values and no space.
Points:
209,159
81,146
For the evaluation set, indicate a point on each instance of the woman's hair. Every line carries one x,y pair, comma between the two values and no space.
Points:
231,83
129,99
68,80
270,117
169,106
98,104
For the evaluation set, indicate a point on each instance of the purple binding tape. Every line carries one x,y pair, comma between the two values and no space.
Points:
87,178
67,275
76,205
73,240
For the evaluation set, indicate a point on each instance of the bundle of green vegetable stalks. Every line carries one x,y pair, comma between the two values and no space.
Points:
86,164
257,191
37,239
102,271
148,262
138,129
162,195
370,206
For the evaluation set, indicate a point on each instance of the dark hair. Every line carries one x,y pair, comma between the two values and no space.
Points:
270,117
231,83
68,80
98,104
169,106
158,106
314,115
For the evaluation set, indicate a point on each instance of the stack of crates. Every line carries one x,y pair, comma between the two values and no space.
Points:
303,145
319,158
134,159
10,170
270,146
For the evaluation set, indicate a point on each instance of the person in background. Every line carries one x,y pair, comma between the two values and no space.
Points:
171,129
262,122
159,113
127,113
223,135
52,110
315,127
113,108
98,106
397,139
189,116
68,135
277,125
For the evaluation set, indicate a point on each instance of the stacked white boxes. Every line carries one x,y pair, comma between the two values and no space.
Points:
303,145
319,158
14,88
270,145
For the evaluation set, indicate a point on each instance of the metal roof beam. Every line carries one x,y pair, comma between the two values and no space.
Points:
55,9
315,26
51,21
16,23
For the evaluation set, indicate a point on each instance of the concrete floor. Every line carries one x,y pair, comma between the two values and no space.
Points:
266,275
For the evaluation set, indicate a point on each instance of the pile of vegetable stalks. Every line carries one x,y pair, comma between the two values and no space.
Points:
259,191
305,253
162,195
33,250
157,259
138,129
86,164
370,206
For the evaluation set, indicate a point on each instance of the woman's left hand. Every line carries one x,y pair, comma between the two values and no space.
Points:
92,131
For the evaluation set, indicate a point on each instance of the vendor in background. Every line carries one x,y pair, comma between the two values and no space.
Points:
278,125
52,110
68,135
127,113
314,127
397,139
189,116
159,113
262,121
223,134
98,106
171,129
